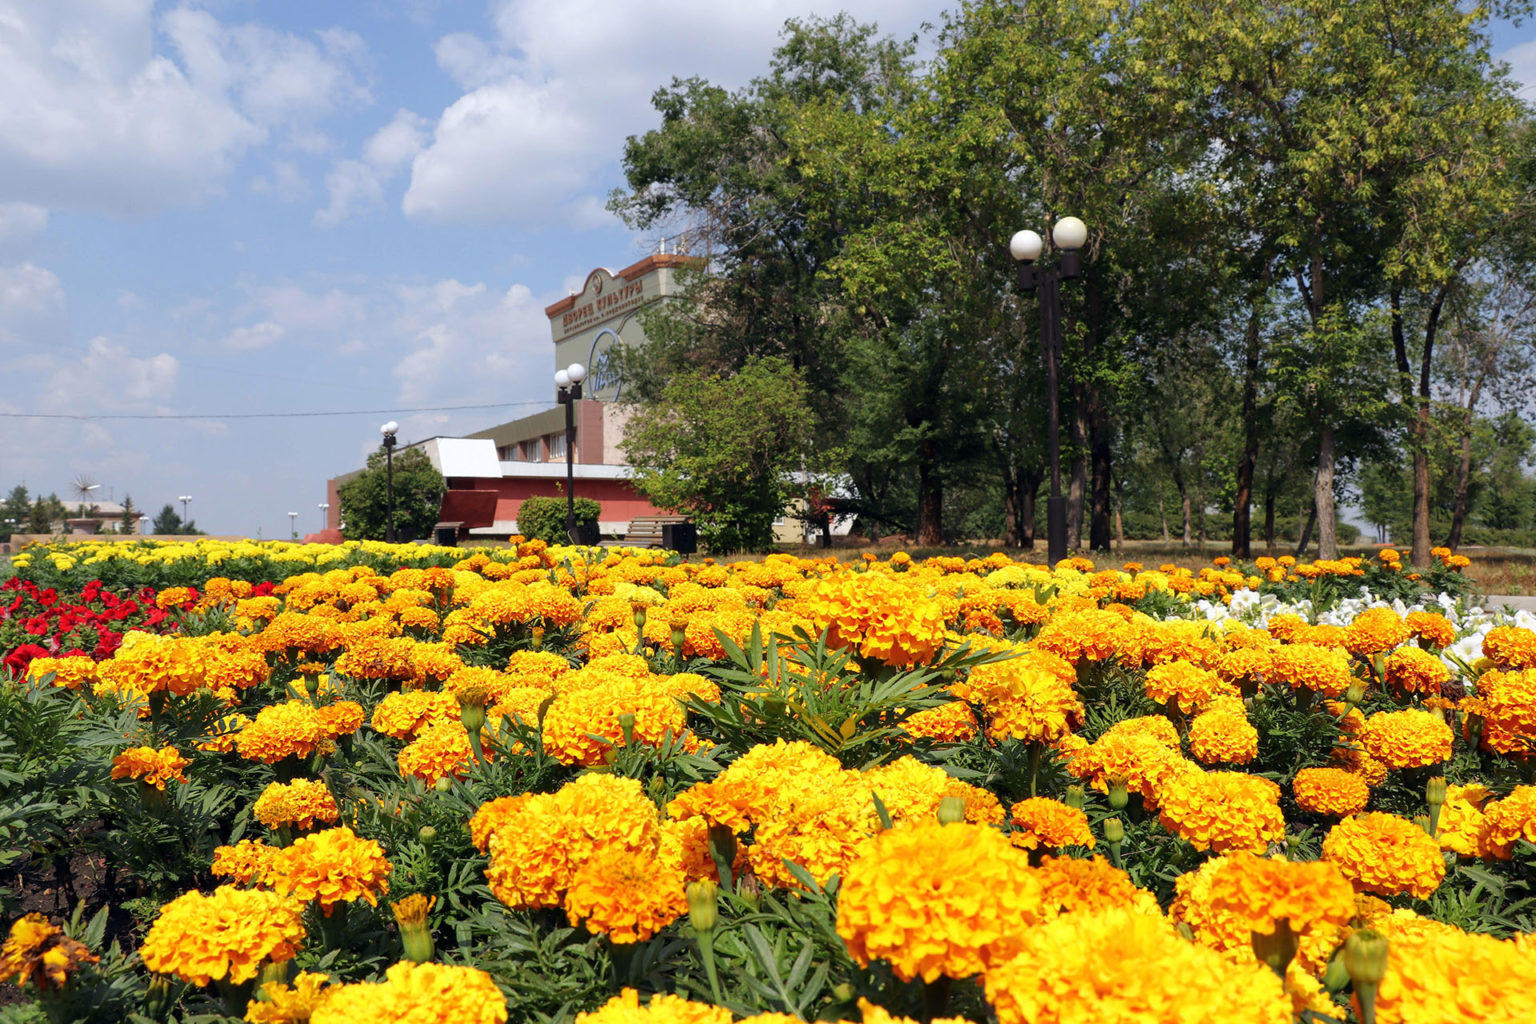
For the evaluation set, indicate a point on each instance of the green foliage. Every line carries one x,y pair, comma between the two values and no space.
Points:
418,497
540,518
725,450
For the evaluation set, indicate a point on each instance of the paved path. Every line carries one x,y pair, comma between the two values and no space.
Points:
1514,602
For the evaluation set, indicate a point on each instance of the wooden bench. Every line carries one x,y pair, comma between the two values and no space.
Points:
645,531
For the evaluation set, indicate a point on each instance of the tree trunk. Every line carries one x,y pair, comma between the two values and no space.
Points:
1186,509
1077,486
1463,476
1322,497
1243,500
1419,433
930,498
1031,486
1098,532
1306,532
1013,508
1162,515
1269,520
1119,513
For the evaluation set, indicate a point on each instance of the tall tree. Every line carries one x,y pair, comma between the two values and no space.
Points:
418,497
166,522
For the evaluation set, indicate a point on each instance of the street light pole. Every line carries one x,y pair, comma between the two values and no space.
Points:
568,381
324,507
1026,247
184,499
388,430
293,524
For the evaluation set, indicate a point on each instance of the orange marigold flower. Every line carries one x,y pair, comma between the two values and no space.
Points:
1431,628
1374,631
1083,636
1223,735
1449,976
150,766
342,718
1187,687
441,751
229,934
417,992
1223,812
1385,854
1509,820
1116,966
876,616
626,896
953,722
1415,670
1042,821
1333,792
1024,699
1075,884
290,729
1261,891
1462,826
937,900
1508,707
247,861
1511,647
298,804
401,715
331,867
38,953
1407,739
1324,670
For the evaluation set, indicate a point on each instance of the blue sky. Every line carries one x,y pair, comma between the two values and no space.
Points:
239,206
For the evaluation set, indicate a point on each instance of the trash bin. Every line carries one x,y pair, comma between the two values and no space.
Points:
680,537
586,534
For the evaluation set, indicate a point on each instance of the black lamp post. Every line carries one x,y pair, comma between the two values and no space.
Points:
388,430
568,381
1069,235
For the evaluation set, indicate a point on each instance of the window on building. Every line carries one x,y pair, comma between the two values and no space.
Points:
556,445
507,452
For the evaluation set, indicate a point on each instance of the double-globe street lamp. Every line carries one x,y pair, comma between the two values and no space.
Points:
184,499
324,507
1069,235
568,381
388,430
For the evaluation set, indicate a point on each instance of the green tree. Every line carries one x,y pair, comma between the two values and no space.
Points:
167,523
727,450
15,511
418,491
46,514
128,522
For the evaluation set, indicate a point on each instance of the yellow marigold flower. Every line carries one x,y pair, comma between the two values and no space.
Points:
1511,647
1385,854
331,867
417,992
148,664
913,791
543,840
299,804
378,657
69,673
150,766
1462,826
1082,636
1224,812
1223,735
581,727
1333,792
876,616
1137,760
1431,628
282,1003
247,861
229,934
937,900
290,729
1374,631
1259,892
1407,739
343,718
953,722
1024,699
38,953
441,751
1043,822
663,1008
401,715
1415,670
626,896
1324,670
869,1014
1447,976
1509,820
1116,967
233,661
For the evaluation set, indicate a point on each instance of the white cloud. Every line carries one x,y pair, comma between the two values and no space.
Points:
355,186
1522,68
554,90
468,342
285,183
21,224
94,117
31,305
109,377
246,339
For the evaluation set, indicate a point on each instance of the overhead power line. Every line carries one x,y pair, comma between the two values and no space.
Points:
251,415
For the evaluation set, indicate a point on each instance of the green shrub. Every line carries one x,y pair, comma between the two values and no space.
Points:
544,518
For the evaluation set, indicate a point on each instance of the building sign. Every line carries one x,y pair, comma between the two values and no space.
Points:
604,298
602,369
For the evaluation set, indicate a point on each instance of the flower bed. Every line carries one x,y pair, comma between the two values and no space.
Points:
41,622
553,784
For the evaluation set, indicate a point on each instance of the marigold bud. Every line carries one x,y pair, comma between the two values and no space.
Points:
444,784
1278,948
1114,830
1422,820
703,905
951,810
1365,957
1434,791
426,833
1119,796
627,728
1354,694
1076,797
411,915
